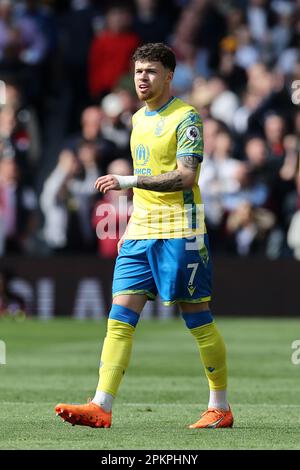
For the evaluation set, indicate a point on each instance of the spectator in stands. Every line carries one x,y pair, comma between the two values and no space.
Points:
67,200
283,196
211,128
224,101
201,97
248,189
82,191
111,215
250,102
285,189
111,51
150,24
261,167
18,209
247,54
91,131
186,69
20,132
260,18
15,140
192,57
281,33
233,74
113,127
288,171
130,105
54,201
274,129
218,179
249,227
275,97
293,235
212,97
278,177
289,57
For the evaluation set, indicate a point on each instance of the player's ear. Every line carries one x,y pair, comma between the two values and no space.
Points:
169,76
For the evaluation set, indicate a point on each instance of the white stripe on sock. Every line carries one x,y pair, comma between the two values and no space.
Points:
218,399
103,399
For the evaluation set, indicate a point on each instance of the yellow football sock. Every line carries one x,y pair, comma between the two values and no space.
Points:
213,355
116,349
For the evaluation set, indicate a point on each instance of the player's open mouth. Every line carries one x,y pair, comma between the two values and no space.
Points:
143,87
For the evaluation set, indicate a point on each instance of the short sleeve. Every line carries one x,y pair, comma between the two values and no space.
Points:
190,136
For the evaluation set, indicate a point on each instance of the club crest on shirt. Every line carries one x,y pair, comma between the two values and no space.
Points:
193,133
159,127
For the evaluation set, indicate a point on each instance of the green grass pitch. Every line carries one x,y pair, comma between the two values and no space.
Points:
164,388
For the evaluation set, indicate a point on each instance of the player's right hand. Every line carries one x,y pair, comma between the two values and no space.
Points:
106,183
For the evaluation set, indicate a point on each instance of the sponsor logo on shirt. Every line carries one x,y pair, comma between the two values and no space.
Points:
141,155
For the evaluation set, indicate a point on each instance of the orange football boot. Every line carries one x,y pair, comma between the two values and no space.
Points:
88,414
214,418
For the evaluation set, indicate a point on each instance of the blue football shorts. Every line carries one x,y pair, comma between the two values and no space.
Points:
178,269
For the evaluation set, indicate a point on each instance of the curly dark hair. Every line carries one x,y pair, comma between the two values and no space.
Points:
156,52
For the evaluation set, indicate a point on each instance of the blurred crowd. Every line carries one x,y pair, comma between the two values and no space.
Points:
67,98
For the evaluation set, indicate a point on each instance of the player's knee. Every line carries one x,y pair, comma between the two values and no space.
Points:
124,315
196,319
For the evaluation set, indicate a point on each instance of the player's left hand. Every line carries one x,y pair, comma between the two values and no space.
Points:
106,183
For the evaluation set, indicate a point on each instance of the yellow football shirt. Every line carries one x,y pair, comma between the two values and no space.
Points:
158,138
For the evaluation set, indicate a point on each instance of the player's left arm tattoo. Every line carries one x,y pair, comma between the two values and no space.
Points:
177,180
188,161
